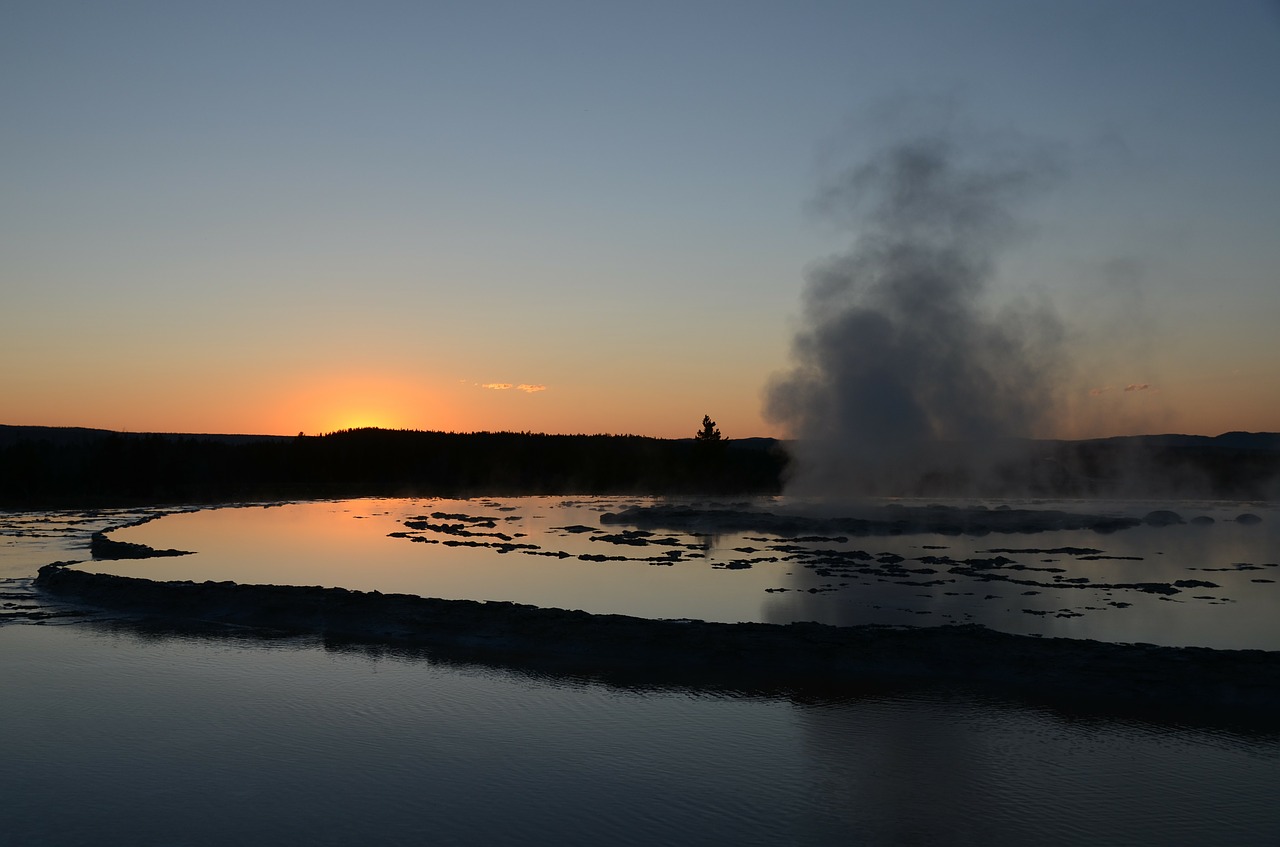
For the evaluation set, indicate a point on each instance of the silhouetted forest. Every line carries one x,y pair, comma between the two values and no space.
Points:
48,467
45,467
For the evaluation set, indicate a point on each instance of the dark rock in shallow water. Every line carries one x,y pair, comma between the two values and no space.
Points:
1202,520
1214,684
103,546
892,519
1162,517
1248,518
1050,551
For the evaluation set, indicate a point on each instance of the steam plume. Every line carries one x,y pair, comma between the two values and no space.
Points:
904,354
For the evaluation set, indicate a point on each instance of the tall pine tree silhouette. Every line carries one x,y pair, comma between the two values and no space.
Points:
708,431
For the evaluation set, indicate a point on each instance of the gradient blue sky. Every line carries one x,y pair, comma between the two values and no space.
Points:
285,216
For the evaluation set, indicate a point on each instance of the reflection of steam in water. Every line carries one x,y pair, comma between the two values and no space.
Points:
893,773
952,770
1147,583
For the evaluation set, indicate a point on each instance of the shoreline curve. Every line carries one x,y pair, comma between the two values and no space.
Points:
1168,683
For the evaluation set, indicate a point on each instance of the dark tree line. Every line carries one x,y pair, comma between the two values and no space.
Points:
123,468
51,468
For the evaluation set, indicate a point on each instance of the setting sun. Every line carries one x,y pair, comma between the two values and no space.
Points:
787,423
363,421
358,400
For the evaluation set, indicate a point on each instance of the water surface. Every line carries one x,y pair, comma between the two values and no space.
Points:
1213,585
114,737
119,734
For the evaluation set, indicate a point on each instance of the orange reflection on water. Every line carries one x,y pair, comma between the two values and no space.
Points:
300,544
1218,585
347,544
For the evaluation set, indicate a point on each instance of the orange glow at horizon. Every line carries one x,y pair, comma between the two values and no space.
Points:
356,400
317,397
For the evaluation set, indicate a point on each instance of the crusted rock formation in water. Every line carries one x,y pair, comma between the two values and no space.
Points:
892,519
1219,683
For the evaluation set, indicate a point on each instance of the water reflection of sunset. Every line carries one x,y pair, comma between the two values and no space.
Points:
345,544
1211,585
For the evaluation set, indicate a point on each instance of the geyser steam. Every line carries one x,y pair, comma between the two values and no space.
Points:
907,365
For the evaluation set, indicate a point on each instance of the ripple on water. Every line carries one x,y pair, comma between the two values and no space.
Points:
311,744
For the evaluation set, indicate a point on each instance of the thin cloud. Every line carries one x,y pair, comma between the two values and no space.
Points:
1098,392
526,387
1137,386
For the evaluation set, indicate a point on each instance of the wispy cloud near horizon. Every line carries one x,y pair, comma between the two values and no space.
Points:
526,387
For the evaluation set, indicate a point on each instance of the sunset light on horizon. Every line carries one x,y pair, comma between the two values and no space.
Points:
585,422
604,218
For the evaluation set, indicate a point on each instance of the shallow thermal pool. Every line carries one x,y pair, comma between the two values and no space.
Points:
120,733
1198,583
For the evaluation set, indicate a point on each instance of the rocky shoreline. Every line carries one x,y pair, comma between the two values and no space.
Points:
1211,684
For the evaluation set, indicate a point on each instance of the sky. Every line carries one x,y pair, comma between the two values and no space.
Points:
282,217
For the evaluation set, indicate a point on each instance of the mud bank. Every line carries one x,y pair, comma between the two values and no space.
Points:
1207,684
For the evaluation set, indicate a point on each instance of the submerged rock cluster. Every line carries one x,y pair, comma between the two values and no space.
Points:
892,519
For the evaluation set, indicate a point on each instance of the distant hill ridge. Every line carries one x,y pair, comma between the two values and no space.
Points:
47,467
80,435
1230,440
10,434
